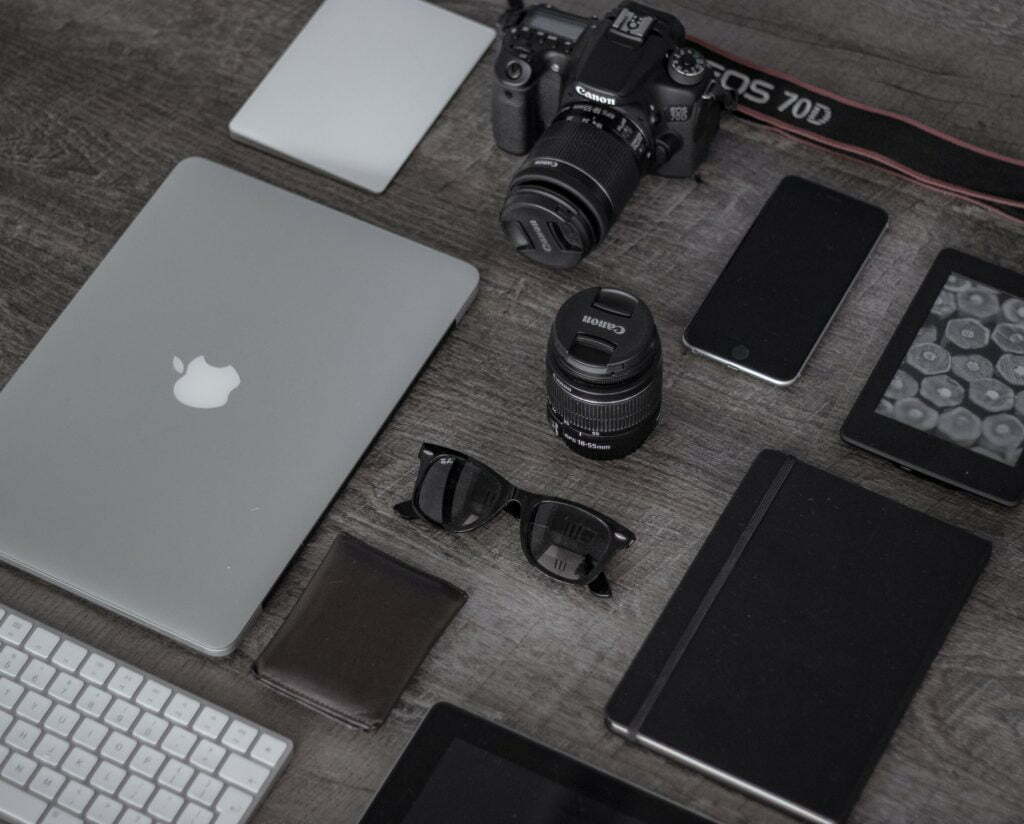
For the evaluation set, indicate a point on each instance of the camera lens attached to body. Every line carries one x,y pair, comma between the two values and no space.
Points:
572,186
604,373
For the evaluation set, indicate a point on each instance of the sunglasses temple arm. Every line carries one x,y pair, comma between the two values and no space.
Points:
407,510
600,587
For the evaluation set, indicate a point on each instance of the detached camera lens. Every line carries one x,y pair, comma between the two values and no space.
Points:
603,373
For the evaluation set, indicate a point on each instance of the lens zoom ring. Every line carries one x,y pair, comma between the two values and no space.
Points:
604,416
599,154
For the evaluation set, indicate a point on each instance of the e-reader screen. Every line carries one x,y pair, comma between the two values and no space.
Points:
962,379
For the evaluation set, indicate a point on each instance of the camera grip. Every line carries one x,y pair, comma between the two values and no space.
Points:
514,118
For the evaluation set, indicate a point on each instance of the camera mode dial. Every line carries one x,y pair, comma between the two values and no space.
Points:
687,66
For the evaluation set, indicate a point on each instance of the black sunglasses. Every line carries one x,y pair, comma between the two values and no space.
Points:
565,540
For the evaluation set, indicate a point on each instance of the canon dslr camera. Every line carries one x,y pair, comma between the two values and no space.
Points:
597,102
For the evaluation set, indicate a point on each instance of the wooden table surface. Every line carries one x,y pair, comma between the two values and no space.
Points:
100,98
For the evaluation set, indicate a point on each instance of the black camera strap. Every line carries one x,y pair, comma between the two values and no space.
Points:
897,143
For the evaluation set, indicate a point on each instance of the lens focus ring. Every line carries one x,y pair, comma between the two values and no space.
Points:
600,155
605,416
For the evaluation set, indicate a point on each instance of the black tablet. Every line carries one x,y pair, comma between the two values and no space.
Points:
460,767
947,398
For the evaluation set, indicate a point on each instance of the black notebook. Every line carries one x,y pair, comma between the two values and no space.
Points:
785,659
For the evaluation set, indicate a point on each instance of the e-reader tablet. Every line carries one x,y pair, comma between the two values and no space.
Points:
946,399
786,657
461,768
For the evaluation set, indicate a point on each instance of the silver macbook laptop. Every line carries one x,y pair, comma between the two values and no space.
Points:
170,442
360,85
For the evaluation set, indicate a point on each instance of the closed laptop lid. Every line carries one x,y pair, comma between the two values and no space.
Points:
360,85
172,439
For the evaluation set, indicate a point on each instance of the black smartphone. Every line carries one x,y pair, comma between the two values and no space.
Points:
786,280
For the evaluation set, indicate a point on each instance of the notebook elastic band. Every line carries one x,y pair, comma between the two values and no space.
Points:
709,597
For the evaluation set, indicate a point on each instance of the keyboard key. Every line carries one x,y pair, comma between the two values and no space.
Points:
243,773
51,749
104,811
33,707
47,783
136,791
239,736
178,742
122,715
56,816
147,762
182,709
22,736
6,719
96,669
205,789
11,661
176,776
90,734
19,769
65,687
210,723
41,642
269,749
37,674
207,755
119,748
165,806
108,777
93,702
150,728
18,806
194,814
233,804
61,720
10,693
125,682
153,696
135,817
13,629
79,763
75,797
69,655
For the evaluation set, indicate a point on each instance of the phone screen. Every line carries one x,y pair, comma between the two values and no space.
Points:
786,279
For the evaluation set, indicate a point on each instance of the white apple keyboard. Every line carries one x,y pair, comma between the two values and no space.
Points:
87,738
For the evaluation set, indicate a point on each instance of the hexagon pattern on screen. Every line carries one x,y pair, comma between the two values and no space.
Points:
962,379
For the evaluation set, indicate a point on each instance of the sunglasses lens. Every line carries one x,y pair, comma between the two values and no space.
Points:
566,541
457,493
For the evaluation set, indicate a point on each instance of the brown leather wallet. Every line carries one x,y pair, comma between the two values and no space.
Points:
358,634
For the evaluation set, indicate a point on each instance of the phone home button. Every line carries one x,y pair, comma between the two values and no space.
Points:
740,352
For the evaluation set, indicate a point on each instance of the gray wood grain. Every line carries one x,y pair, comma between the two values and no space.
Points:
100,98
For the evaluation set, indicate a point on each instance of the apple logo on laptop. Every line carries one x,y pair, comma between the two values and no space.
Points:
202,386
